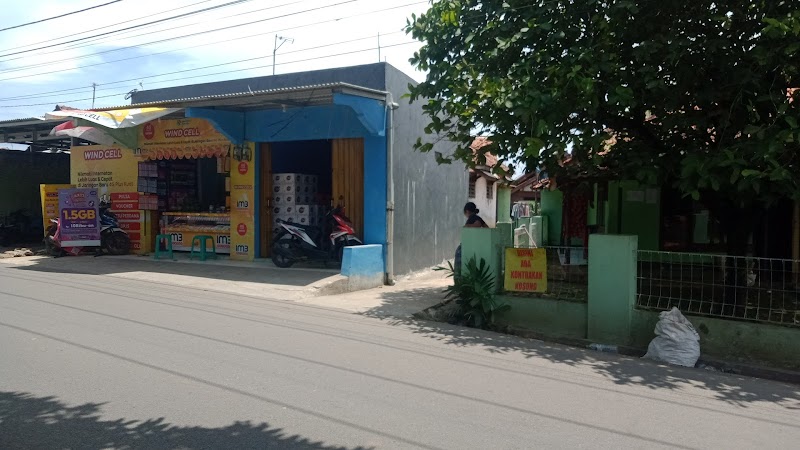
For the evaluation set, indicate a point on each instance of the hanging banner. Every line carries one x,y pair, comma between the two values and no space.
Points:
78,216
526,270
181,138
49,196
116,118
243,181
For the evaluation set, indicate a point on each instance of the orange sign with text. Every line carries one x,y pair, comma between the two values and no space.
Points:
181,138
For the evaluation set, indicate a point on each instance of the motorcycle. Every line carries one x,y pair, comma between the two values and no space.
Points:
113,239
295,242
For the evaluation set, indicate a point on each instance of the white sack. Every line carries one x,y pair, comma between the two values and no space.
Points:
676,340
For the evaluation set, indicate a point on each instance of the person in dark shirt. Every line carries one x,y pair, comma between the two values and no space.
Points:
473,219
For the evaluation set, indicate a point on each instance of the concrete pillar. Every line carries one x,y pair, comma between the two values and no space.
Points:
612,288
485,243
503,204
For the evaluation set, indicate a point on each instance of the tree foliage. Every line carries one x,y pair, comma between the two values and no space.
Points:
693,93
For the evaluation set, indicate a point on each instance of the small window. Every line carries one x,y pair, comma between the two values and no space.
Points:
471,192
489,191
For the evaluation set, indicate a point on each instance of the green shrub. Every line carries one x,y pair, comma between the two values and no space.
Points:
473,291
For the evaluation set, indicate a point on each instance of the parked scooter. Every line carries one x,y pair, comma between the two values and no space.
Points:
113,239
296,243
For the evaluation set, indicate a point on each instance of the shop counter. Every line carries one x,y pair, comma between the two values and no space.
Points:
183,226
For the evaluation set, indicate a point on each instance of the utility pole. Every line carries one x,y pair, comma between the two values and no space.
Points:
379,46
94,91
277,46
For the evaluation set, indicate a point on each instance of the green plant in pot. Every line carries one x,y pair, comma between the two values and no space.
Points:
474,293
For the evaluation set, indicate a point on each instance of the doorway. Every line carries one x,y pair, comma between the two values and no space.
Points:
332,174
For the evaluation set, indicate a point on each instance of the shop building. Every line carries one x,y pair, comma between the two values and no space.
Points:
228,158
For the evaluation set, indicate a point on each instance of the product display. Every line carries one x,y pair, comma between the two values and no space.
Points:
184,226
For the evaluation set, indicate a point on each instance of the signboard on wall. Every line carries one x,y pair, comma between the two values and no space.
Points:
243,180
49,194
526,270
113,172
79,220
181,138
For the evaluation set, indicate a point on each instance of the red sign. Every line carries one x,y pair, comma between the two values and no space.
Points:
134,216
243,167
241,229
130,226
149,131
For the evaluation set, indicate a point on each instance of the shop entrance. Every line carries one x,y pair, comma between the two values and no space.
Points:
302,180
192,196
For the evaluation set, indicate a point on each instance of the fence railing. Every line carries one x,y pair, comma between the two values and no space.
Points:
733,287
567,274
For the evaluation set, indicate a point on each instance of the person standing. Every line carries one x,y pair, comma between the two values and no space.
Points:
473,221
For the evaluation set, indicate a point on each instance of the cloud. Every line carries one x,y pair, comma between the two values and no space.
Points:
134,53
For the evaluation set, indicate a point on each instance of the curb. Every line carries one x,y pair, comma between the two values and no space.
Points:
704,363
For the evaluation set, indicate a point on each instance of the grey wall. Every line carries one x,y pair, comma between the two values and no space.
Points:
369,76
429,198
21,173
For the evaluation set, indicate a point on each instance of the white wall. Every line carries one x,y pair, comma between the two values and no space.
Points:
488,207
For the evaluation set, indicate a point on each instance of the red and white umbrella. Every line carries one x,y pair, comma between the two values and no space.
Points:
90,134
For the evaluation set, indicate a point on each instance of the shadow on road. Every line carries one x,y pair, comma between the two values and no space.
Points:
30,422
620,370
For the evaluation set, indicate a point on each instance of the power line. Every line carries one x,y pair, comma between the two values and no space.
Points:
336,19
90,41
118,49
234,2
59,16
370,49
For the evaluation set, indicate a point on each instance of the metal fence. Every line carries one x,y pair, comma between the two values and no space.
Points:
567,274
755,289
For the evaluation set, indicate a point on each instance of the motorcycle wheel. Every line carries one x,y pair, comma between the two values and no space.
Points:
117,243
279,260
49,246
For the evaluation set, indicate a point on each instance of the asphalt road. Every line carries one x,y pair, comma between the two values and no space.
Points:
101,362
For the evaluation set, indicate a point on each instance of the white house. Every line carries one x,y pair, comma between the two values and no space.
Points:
483,183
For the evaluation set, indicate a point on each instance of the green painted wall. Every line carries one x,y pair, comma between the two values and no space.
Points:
503,212
555,318
552,207
612,287
635,210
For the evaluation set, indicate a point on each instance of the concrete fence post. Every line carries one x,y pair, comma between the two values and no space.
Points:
612,288
484,243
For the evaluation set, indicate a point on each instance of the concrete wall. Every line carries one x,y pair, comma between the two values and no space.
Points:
553,207
487,206
429,198
632,211
21,173
611,317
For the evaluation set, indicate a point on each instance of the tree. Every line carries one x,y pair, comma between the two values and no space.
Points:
695,94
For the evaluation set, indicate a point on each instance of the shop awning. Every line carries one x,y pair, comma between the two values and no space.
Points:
115,118
209,151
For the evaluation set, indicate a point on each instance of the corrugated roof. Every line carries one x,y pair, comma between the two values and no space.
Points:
260,93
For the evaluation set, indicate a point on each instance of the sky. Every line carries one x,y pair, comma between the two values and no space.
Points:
324,33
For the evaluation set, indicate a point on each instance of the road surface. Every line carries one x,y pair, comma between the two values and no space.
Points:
94,362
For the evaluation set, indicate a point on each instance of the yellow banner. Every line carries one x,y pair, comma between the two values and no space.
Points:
114,172
526,270
243,224
49,194
108,169
181,138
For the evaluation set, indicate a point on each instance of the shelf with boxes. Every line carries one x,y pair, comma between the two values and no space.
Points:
295,200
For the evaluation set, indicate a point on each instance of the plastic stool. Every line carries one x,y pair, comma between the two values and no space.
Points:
158,251
202,240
